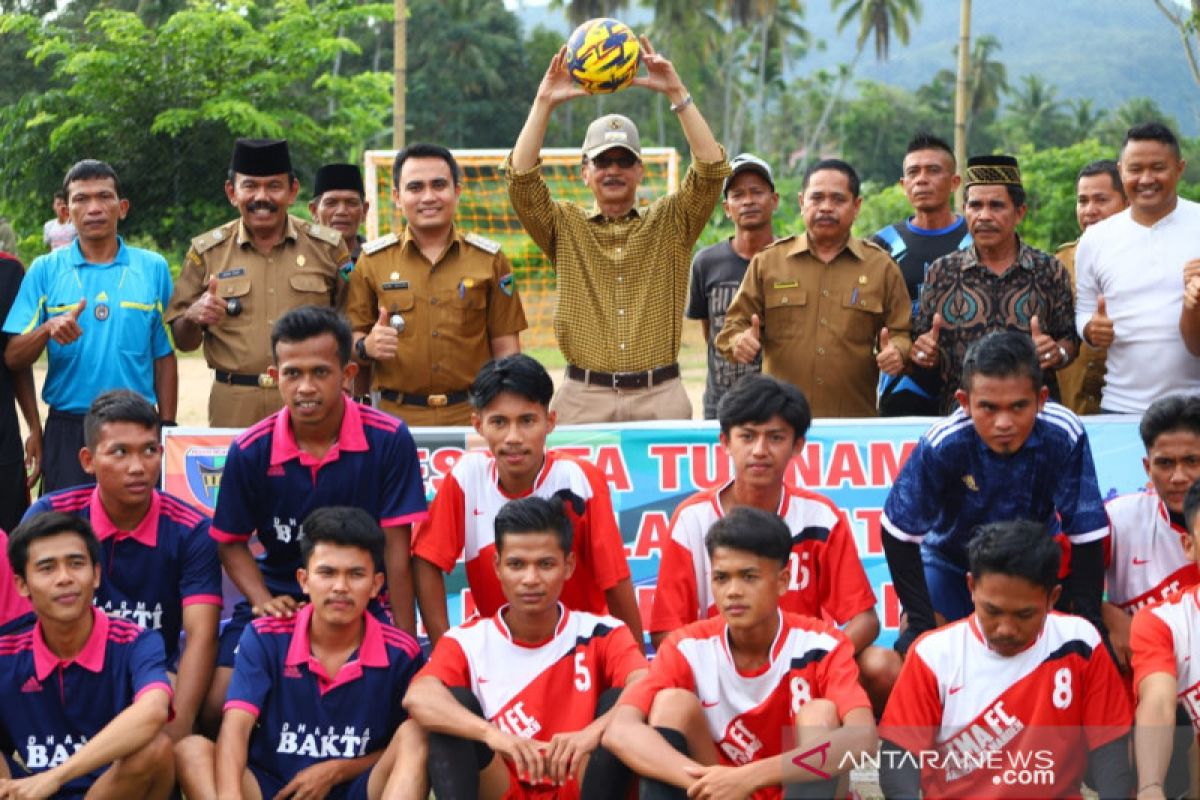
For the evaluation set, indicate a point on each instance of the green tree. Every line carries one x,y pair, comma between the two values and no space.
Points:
164,104
1133,111
1035,116
1049,176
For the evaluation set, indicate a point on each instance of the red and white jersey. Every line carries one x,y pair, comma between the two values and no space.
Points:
1146,562
827,576
536,691
747,713
976,719
462,522
1166,638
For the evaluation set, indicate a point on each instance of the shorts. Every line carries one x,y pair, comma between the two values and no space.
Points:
270,785
231,630
947,586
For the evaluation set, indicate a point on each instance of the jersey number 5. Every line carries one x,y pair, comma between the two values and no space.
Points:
583,677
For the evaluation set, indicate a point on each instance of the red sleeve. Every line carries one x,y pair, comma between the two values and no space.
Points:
440,538
914,709
675,601
1107,709
668,670
605,547
620,656
447,663
837,679
1153,646
845,590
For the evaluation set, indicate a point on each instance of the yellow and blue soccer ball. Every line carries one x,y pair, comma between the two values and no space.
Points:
603,55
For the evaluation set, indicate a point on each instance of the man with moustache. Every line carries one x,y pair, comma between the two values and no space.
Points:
929,179
828,311
999,283
1099,195
238,279
717,270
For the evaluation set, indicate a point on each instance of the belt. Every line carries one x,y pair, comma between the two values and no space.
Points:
624,380
263,381
429,401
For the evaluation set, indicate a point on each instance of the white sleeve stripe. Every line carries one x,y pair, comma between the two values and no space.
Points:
1088,536
899,534
935,438
1057,415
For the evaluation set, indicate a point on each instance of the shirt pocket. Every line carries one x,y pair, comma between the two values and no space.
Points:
402,302
311,289
863,311
785,309
236,289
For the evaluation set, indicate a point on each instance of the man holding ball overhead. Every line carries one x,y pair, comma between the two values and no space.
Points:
622,269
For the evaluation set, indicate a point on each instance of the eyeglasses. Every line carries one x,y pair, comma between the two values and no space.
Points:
625,160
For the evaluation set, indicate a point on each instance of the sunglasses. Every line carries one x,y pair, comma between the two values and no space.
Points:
625,160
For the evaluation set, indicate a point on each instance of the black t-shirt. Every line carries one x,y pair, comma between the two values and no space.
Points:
914,249
11,449
717,272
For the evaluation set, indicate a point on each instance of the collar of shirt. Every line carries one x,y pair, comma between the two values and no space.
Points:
1026,258
78,260
973,624
350,437
243,235
91,657
409,243
146,531
502,626
776,648
371,653
543,473
594,213
801,246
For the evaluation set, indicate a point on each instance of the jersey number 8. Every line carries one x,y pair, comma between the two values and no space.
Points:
1062,689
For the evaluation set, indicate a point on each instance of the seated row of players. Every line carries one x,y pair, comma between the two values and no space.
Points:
322,449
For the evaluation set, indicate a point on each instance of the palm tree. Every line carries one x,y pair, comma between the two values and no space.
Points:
1133,111
878,20
1085,119
1035,114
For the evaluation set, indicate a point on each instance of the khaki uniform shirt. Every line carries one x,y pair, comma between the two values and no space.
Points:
305,268
820,321
452,309
1083,380
622,283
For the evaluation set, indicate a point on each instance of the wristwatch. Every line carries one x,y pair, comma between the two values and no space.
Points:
360,349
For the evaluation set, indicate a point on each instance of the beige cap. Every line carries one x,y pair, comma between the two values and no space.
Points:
612,130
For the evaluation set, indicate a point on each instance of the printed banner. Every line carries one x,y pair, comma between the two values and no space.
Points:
652,467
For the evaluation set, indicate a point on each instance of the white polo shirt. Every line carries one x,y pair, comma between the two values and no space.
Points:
1139,270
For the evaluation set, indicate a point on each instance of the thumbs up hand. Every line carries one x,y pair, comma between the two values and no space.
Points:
1099,330
64,328
888,359
383,341
749,342
925,348
209,308
1046,347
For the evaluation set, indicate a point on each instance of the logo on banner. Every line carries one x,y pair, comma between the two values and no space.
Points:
203,467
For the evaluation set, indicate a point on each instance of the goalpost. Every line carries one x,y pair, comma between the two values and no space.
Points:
484,209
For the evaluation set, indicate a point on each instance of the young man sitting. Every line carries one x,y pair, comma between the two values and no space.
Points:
515,704
511,399
158,565
735,705
83,696
763,422
322,449
1013,688
1005,453
314,707
1166,670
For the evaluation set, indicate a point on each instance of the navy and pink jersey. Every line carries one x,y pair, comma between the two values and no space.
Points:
306,715
537,690
826,575
975,717
462,524
12,603
748,712
150,574
50,708
269,485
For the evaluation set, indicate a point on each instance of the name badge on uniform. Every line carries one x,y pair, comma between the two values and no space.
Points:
786,285
231,273
390,285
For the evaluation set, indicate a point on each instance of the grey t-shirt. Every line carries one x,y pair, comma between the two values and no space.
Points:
717,273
